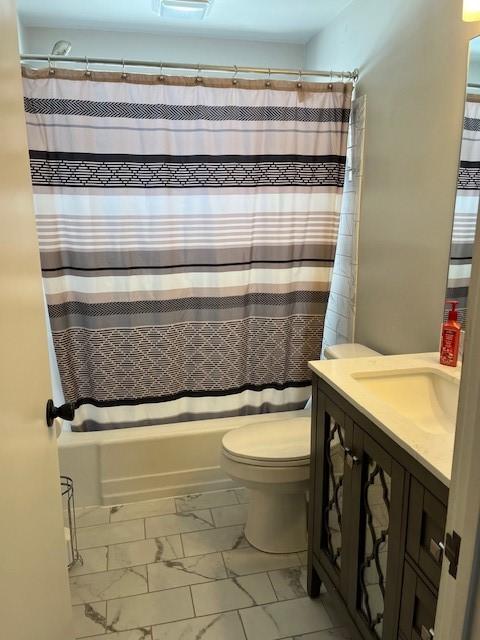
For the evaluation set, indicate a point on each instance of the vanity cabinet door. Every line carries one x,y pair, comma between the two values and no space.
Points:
427,518
417,618
377,495
332,436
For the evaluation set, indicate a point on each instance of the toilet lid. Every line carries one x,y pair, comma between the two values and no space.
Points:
278,441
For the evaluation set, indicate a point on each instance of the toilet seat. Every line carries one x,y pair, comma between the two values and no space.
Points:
279,443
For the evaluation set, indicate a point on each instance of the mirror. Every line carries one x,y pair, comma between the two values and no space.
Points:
468,190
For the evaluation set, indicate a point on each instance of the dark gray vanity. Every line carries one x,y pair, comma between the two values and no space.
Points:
376,524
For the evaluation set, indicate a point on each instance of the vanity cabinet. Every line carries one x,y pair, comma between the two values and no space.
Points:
376,524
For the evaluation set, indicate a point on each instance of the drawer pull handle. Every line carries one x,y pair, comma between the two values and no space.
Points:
436,550
352,459
427,634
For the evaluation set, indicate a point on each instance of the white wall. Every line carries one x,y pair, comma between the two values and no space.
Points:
147,46
412,58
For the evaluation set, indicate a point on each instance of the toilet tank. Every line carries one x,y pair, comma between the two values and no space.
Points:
349,350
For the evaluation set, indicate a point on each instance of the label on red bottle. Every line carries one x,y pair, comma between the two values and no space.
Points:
449,349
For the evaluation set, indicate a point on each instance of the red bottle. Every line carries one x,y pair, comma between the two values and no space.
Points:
450,337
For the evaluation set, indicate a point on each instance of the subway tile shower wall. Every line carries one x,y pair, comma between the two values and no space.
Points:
340,319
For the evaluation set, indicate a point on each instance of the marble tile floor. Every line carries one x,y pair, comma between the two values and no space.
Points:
181,569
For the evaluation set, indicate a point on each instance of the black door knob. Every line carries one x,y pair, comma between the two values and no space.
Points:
65,411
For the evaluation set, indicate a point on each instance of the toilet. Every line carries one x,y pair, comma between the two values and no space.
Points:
272,459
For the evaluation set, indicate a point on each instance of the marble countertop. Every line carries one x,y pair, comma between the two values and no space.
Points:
433,450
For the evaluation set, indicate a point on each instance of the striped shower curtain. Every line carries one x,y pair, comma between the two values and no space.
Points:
187,231
466,209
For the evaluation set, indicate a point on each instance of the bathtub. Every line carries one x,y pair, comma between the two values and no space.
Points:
141,463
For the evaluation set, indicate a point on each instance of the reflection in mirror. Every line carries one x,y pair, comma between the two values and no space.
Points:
468,191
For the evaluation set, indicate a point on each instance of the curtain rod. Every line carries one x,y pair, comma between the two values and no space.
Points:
344,75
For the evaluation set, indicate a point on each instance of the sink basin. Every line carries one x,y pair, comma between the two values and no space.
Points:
427,397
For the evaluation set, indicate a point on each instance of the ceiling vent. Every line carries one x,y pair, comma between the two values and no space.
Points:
182,9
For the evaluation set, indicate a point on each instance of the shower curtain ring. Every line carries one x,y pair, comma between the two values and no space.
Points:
268,82
299,79
88,73
51,68
124,73
198,78
234,79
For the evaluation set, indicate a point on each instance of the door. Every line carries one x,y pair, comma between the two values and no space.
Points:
377,491
34,594
458,611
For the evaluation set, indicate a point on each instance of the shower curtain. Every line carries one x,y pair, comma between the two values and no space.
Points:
466,209
187,231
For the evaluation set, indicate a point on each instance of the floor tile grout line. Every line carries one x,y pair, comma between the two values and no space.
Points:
243,626
175,497
159,515
148,564
153,515
193,602
213,580
224,565
163,535
229,574
111,544
273,587
184,558
148,578
181,545
133,595
117,522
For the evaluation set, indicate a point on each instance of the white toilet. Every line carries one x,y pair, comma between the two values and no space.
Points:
272,459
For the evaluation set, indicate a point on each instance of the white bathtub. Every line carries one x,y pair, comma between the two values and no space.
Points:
124,465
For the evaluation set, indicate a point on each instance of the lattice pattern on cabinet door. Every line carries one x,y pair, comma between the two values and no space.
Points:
332,514
373,567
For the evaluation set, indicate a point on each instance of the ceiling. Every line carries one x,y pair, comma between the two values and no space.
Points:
293,21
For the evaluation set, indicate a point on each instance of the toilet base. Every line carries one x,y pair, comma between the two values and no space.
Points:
277,522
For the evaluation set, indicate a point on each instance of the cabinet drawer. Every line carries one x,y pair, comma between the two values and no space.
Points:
426,531
417,613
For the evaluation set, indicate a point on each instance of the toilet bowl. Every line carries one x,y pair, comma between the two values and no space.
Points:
272,459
